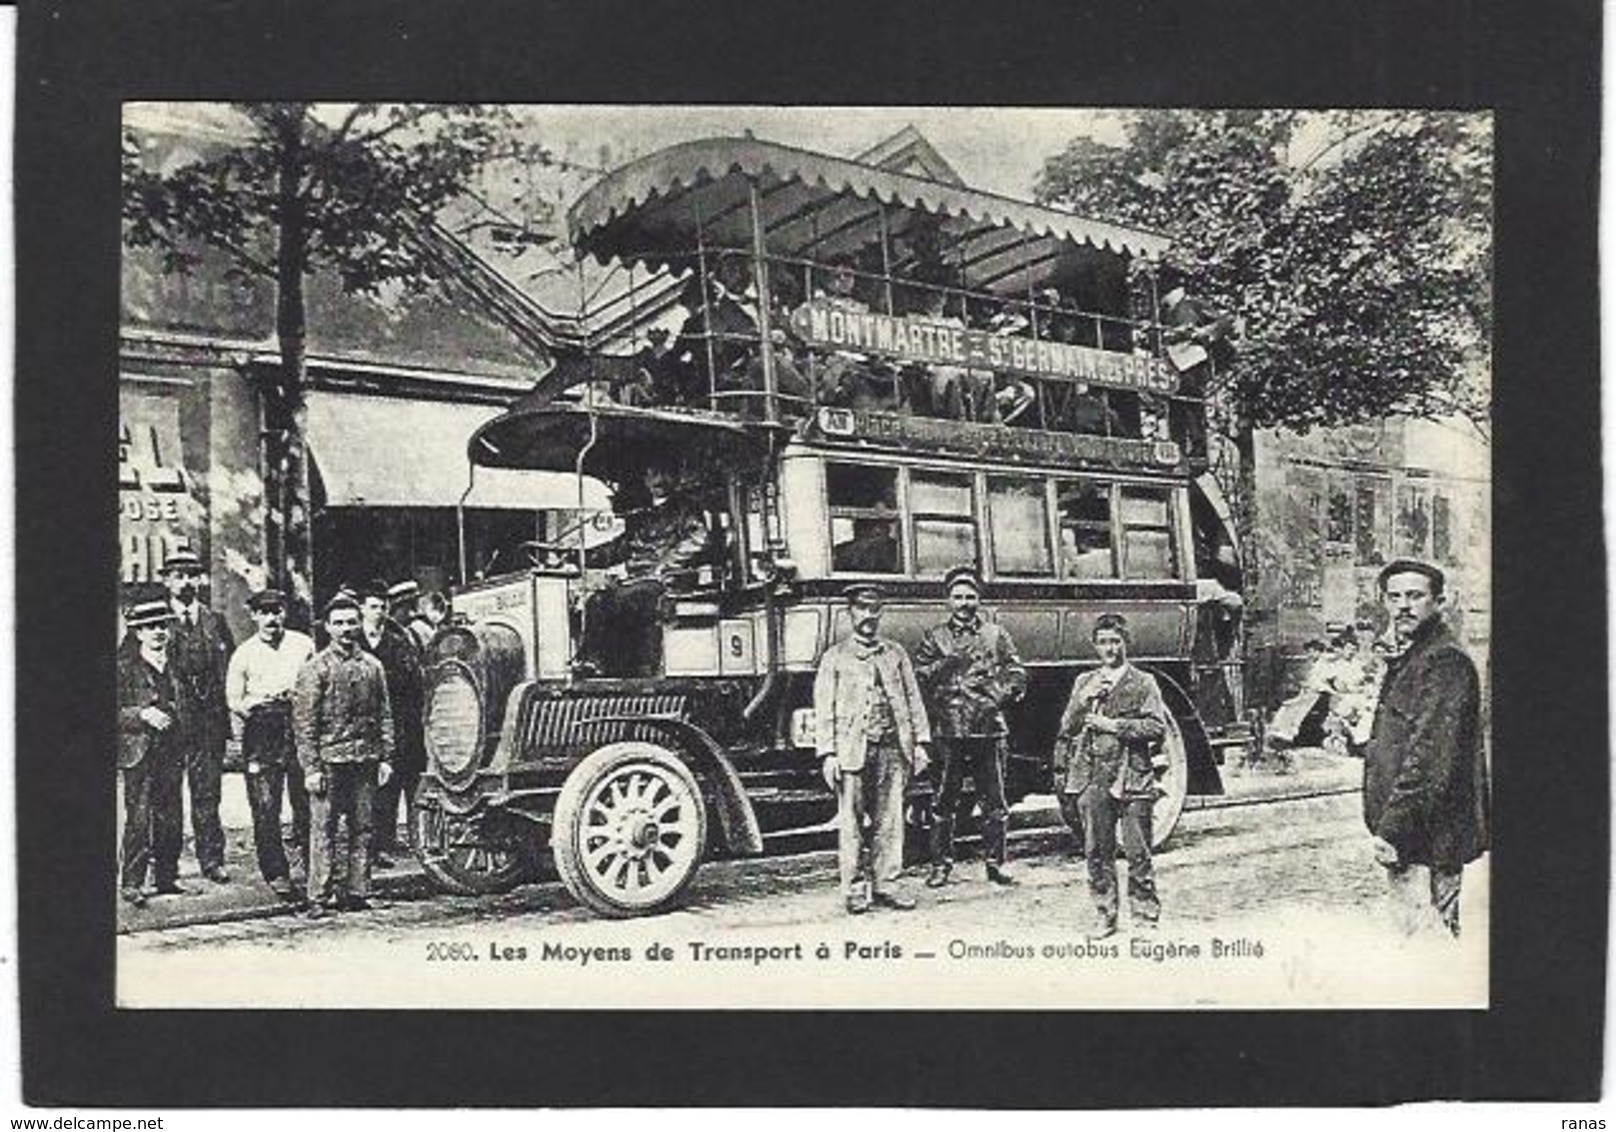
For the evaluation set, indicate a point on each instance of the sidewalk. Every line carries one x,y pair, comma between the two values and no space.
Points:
245,896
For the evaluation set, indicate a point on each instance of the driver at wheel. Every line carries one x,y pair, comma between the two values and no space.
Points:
1107,757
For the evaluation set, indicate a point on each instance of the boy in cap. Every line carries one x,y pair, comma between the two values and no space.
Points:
200,647
258,690
150,722
872,734
969,670
343,725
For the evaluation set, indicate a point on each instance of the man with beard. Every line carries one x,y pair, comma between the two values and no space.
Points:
200,648
382,637
343,724
871,732
969,669
1107,753
149,754
258,688
1425,779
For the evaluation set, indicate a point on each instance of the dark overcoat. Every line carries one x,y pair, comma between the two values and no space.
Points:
1425,777
140,687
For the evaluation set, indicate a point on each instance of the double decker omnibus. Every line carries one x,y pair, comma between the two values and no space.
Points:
847,374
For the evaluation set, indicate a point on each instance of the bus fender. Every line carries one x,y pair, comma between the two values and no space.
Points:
743,837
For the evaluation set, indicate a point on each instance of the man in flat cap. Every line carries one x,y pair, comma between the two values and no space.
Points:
343,725
1425,778
150,723
872,734
969,669
258,688
200,648
389,642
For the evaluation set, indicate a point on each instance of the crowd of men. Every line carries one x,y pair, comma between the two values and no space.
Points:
336,732
878,715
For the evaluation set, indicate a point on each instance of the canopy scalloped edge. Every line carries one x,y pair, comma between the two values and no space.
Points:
641,183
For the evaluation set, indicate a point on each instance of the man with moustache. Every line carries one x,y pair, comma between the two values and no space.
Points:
1107,753
969,669
258,689
383,637
150,758
872,734
343,725
1425,779
200,647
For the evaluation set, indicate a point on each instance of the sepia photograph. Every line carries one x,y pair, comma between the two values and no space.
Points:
764,557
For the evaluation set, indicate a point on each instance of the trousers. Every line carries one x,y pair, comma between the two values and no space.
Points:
204,780
400,786
341,816
1101,816
982,758
869,820
1414,885
153,817
266,744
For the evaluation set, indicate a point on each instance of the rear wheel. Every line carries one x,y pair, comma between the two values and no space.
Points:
471,854
1174,785
629,828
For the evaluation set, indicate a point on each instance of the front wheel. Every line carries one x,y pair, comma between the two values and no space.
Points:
470,854
629,829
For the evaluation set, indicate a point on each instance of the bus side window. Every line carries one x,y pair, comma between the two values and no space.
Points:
1147,534
944,523
1085,529
1020,531
864,515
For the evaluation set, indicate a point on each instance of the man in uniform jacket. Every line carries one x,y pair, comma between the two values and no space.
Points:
200,647
1425,779
150,722
1107,753
969,670
871,732
343,723
386,640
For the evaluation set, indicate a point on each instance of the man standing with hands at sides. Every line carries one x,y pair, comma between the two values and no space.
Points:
149,754
871,732
344,727
258,688
1425,779
969,669
1107,752
200,647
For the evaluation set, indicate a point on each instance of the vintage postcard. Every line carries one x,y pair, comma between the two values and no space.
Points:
802,556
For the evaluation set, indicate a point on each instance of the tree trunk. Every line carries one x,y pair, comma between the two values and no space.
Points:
290,545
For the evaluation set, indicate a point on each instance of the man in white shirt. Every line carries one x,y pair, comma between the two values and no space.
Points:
258,690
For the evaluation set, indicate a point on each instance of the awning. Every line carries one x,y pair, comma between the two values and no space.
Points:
817,206
391,452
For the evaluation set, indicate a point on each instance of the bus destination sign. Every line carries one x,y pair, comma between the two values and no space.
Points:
929,342
994,440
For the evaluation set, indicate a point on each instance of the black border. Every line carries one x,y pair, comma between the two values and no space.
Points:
1535,63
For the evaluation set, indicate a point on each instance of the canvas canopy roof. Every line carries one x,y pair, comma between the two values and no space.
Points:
818,207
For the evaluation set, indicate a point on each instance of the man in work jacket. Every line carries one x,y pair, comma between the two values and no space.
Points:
1425,778
871,732
969,670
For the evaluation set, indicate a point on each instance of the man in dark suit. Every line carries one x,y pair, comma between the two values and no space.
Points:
383,638
200,650
150,722
1425,778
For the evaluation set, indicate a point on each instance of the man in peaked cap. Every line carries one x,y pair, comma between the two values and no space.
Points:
258,689
969,669
150,723
871,732
1426,797
200,647
389,642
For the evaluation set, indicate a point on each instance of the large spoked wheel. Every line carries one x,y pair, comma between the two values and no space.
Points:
471,854
1175,785
629,829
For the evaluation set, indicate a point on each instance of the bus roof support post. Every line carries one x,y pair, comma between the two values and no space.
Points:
760,280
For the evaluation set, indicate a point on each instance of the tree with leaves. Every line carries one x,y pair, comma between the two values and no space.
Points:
301,187
1337,265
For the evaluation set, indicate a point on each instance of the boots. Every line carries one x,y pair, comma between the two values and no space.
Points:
993,846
